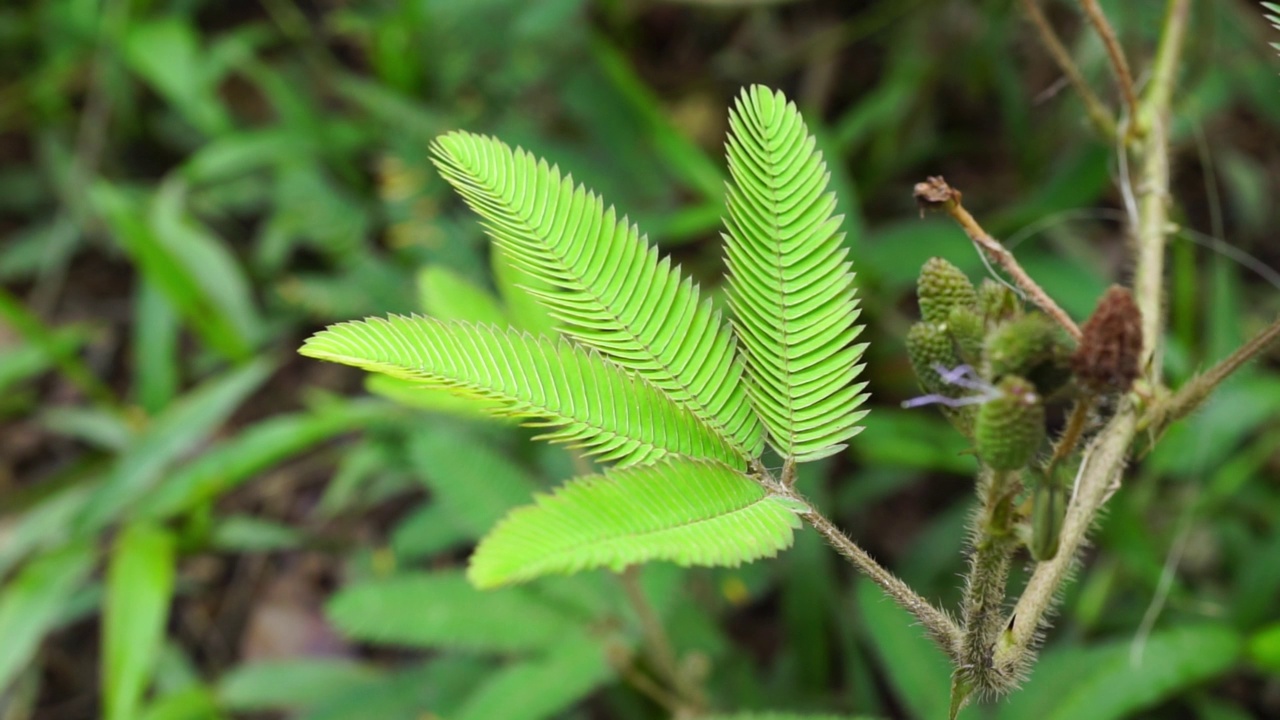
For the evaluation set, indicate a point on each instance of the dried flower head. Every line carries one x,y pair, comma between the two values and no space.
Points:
934,193
1110,344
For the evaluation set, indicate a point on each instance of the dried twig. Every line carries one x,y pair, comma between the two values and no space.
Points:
1119,65
936,193
1097,111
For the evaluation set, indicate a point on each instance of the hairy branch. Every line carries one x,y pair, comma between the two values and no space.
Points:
941,628
1189,396
1119,65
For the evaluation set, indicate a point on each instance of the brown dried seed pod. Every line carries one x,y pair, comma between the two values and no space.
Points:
1110,344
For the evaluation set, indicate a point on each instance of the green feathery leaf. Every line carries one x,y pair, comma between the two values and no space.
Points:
611,290
790,287
592,403
691,512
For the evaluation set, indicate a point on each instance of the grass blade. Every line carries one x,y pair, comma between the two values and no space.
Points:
140,581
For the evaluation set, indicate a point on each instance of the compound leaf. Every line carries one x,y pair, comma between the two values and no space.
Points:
591,403
790,286
610,290
691,512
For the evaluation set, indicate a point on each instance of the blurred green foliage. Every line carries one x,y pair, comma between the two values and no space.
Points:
195,523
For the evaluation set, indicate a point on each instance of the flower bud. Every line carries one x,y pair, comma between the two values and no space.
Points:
1010,427
997,303
966,330
929,345
942,287
1026,346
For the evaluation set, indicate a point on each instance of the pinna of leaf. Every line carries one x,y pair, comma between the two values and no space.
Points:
647,375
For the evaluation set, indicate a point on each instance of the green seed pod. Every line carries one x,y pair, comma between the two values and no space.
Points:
997,303
942,287
1010,427
1048,510
929,345
965,326
1019,346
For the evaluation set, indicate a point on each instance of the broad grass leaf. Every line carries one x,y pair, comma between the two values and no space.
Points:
140,581
441,609
33,601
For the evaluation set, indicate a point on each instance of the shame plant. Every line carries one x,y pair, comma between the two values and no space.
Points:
700,421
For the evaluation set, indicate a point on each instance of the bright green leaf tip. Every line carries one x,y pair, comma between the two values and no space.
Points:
690,512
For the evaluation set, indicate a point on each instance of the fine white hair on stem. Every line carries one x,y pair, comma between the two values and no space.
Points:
1205,240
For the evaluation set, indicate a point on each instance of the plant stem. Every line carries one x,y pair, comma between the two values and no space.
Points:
993,545
1119,65
1105,459
936,193
940,627
1098,113
1190,395
661,653
1153,188
624,663
1103,465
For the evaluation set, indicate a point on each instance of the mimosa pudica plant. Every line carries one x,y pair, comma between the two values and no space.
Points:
700,421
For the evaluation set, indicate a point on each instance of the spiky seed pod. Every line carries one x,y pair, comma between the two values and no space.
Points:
941,287
966,330
929,345
1010,427
1110,350
1021,345
1048,510
997,303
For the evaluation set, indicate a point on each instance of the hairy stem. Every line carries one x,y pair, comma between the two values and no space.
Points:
1107,454
1153,188
1098,113
1119,65
939,626
658,645
993,546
